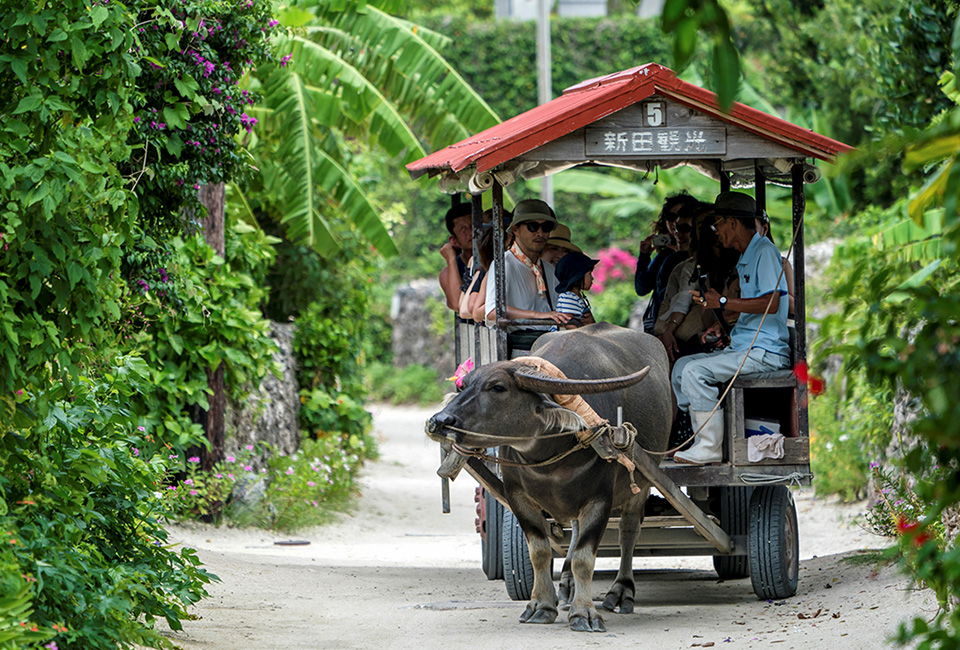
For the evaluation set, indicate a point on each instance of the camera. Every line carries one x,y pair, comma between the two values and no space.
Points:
659,241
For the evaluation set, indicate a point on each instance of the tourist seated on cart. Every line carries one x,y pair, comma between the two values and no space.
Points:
652,274
530,283
558,245
456,252
759,341
474,291
763,227
575,277
682,320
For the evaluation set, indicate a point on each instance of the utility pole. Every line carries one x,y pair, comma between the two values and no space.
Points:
544,84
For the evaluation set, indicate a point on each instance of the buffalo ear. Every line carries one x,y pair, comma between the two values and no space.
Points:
559,418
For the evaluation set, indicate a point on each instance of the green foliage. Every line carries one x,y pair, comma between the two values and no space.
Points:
188,311
413,384
849,426
306,488
352,72
580,47
84,289
85,514
185,120
615,304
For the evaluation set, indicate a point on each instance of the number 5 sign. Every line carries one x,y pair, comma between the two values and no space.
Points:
654,114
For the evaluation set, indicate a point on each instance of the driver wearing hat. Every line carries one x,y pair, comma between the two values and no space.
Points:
759,339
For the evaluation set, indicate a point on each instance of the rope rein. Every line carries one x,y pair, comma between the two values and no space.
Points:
584,439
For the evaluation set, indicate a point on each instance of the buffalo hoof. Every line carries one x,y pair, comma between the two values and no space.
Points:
620,596
538,613
589,621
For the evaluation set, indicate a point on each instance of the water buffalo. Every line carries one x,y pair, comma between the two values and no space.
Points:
581,490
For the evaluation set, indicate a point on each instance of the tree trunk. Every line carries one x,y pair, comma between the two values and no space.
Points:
213,197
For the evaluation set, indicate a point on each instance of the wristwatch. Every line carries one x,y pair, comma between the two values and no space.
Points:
723,302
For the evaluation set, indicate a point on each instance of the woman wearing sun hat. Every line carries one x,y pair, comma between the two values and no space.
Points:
559,245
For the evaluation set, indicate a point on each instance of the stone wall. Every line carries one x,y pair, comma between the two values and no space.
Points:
270,413
422,327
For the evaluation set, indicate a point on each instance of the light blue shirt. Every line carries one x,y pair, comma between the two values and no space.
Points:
761,273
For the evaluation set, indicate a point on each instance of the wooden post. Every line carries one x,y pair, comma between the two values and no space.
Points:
500,275
759,188
799,292
213,198
724,180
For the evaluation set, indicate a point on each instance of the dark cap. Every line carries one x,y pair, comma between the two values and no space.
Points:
571,268
735,204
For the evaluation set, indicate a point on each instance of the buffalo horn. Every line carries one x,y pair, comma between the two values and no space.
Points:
553,386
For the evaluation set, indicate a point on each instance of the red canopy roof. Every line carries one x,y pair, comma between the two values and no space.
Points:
591,100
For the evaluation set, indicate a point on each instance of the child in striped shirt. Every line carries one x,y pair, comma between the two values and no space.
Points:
575,276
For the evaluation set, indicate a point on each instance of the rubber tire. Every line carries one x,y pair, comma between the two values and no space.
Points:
517,569
774,543
734,520
491,542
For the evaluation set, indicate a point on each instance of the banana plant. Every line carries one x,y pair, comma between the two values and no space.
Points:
349,74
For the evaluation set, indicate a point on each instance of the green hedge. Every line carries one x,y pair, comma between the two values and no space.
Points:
581,48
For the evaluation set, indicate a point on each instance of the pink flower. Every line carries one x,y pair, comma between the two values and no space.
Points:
289,471
231,459
140,429
189,481
136,452
193,459
230,476
247,468
285,60
311,483
193,493
249,447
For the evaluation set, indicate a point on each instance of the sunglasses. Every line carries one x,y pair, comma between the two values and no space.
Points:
684,227
534,226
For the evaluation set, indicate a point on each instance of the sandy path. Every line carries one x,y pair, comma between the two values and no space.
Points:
398,573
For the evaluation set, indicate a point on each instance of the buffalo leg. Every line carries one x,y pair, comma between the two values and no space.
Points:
622,592
542,607
566,575
593,520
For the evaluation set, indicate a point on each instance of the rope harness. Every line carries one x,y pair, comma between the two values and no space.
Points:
621,438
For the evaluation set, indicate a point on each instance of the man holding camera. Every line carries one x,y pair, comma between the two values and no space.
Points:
759,339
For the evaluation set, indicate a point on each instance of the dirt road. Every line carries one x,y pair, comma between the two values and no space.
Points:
398,573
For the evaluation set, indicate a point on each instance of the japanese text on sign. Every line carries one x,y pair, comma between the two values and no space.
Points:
676,141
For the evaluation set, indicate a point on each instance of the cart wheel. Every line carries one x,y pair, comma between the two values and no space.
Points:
774,542
517,569
491,537
735,520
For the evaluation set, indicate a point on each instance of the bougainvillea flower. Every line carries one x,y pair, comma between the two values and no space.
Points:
462,370
816,385
801,371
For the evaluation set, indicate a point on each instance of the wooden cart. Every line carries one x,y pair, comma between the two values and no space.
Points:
646,118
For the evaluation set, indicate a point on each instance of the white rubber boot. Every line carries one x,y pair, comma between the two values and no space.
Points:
708,445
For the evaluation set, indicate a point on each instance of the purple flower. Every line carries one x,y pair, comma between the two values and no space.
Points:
285,60
874,465
274,23
248,122
216,90
136,119
136,452
140,429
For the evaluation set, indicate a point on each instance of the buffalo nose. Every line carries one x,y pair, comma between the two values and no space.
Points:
439,421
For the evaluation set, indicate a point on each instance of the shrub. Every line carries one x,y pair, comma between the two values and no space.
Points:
413,384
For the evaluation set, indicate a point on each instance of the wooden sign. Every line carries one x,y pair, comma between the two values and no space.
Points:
677,141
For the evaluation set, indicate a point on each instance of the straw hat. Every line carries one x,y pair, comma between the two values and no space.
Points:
561,237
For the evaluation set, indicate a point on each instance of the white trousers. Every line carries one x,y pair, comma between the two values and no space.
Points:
696,377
